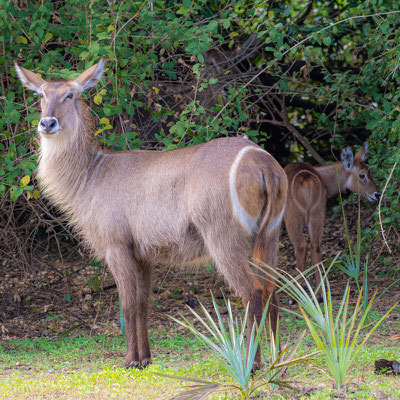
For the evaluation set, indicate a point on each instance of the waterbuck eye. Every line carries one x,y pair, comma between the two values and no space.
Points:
70,95
361,176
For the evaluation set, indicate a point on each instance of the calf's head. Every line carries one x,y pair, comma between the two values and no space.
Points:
360,179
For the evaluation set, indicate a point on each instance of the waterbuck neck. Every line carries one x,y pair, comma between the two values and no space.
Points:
68,161
334,175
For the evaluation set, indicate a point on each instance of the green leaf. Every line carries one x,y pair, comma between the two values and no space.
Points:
387,106
98,98
183,11
83,55
32,117
316,37
15,192
212,26
284,85
327,40
104,121
226,24
24,181
22,39
308,51
47,37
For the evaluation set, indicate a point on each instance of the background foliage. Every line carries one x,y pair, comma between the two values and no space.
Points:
301,78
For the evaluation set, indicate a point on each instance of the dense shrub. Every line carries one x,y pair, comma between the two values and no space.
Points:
180,73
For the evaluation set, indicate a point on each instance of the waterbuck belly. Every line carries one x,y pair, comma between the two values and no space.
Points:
182,248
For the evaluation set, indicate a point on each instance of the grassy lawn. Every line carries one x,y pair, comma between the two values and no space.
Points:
90,368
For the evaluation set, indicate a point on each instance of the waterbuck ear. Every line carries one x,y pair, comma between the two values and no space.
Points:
28,78
347,157
90,77
362,153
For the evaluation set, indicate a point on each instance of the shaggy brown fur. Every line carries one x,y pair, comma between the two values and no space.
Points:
140,209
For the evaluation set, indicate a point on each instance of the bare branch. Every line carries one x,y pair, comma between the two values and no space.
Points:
303,13
299,136
271,107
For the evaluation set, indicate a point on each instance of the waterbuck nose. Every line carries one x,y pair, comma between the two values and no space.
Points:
48,124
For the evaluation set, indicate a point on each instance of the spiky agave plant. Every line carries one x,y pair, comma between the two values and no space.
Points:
335,335
228,343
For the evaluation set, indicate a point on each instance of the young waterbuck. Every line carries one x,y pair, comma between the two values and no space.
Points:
309,189
139,209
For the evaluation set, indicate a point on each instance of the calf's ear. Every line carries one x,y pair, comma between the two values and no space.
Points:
347,158
362,153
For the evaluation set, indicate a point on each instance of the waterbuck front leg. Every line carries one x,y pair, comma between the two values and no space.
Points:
127,277
143,298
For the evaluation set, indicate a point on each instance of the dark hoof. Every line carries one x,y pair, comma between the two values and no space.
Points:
256,367
292,302
146,362
139,364
133,364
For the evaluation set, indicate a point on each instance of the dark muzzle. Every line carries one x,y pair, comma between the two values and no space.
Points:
48,124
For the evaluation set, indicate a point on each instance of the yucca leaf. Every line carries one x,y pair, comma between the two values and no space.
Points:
313,331
344,317
373,329
186,379
197,393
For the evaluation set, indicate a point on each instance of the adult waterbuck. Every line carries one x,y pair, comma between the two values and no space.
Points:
139,209
309,188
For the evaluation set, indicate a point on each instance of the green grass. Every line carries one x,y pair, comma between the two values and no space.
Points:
90,368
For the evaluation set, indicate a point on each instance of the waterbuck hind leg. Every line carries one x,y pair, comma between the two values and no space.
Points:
125,272
266,251
294,226
315,230
254,315
231,260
